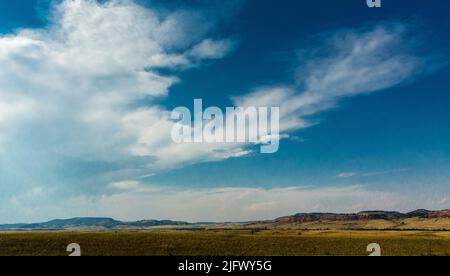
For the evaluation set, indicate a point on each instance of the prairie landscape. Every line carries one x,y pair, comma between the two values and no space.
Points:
417,233
215,128
227,243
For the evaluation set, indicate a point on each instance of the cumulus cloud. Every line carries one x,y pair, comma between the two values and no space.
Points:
68,92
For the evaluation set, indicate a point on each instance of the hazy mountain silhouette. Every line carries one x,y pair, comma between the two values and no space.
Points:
89,223
111,224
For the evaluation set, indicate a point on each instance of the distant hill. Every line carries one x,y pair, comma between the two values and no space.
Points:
365,215
91,223
379,220
419,219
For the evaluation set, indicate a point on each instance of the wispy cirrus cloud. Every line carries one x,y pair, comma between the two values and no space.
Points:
349,63
347,174
368,174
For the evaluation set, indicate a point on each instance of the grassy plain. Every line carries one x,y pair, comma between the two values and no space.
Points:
226,243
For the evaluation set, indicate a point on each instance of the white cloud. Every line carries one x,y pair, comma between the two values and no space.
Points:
347,174
71,88
296,139
223,204
443,201
368,174
355,63
211,49
79,78
14,108
125,185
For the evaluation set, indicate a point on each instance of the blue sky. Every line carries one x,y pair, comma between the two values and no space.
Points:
86,86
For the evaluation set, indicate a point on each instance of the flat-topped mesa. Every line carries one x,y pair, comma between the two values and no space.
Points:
310,217
364,215
422,213
379,215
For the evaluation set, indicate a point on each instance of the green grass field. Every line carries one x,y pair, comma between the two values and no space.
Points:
235,243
